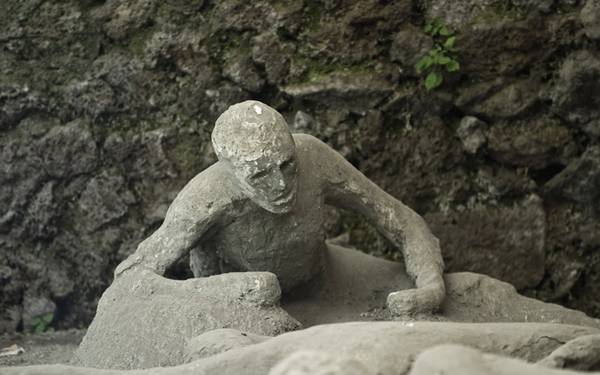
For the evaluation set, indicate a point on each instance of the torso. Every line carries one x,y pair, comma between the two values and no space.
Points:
290,245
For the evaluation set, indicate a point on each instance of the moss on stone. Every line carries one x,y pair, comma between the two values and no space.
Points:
137,42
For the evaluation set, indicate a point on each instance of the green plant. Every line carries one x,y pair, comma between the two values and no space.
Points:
42,323
441,57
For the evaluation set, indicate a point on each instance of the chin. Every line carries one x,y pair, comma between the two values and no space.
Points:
278,209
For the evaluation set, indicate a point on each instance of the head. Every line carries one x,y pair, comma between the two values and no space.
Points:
254,141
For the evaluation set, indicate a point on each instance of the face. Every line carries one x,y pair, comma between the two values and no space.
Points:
270,180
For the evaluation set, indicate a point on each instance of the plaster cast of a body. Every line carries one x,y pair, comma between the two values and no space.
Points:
261,208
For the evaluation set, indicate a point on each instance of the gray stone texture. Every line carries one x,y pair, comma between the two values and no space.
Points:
578,354
106,110
408,47
574,96
464,360
306,362
580,180
471,133
392,347
590,18
489,252
145,321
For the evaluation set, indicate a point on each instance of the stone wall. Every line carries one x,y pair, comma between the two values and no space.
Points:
106,109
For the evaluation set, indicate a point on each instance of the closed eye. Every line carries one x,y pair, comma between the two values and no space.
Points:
288,164
258,175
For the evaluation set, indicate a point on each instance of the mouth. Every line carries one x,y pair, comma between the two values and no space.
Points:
284,198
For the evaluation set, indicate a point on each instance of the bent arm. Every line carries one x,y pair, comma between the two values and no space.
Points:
195,209
348,188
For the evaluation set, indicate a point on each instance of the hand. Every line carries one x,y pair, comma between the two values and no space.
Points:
411,302
261,288
258,288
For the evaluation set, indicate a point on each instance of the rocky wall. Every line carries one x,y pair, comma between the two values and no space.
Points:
106,109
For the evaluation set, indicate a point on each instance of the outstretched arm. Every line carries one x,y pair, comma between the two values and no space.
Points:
195,209
346,187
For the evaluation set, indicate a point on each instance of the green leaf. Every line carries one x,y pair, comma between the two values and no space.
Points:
433,80
434,30
443,60
444,31
423,64
47,318
453,66
42,323
428,28
449,44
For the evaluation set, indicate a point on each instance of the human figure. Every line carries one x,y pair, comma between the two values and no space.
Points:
261,207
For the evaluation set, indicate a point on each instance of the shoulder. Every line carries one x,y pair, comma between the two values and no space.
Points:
308,143
313,149
325,165
319,153
211,190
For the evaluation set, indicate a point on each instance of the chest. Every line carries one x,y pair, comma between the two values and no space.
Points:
289,245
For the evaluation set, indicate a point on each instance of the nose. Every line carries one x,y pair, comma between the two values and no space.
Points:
278,181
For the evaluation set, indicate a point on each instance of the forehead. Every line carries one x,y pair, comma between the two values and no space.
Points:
264,157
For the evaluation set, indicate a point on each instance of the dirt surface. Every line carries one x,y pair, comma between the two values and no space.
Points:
45,348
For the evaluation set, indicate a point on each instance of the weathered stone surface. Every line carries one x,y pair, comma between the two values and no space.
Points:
580,180
457,14
574,94
17,101
478,298
408,46
590,18
463,360
144,320
104,199
131,330
471,133
578,354
357,91
273,55
219,341
517,42
121,20
307,362
67,151
572,274
40,221
303,122
536,144
509,101
392,347
240,69
55,194
472,241
544,6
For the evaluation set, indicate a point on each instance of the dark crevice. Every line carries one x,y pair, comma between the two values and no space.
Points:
541,176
